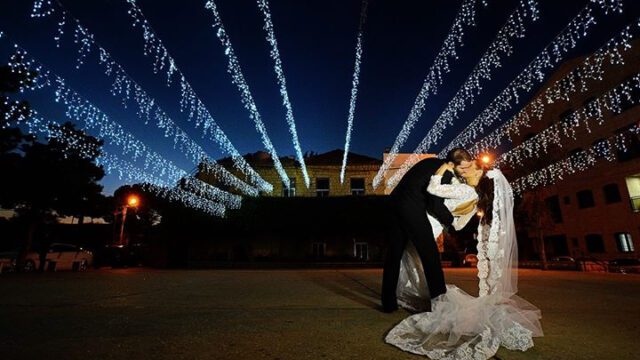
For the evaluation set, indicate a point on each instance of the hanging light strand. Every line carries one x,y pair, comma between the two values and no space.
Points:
354,88
576,30
125,170
82,111
591,69
531,76
465,18
515,28
237,78
124,86
596,111
190,102
578,162
263,5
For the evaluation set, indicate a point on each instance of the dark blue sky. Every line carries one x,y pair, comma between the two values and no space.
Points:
316,39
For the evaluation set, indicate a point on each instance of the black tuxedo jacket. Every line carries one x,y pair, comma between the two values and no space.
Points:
411,192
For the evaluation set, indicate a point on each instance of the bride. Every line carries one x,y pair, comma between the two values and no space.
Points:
461,326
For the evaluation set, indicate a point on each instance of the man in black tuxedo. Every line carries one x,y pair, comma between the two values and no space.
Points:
409,203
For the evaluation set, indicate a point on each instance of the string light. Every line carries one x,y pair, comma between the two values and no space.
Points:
125,170
130,173
578,162
466,17
122,85
82,111
127,88
263,5
190,103
591,69
532,75
515,27
354,88
237,78
611,101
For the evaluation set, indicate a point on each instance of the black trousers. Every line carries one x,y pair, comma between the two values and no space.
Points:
410,223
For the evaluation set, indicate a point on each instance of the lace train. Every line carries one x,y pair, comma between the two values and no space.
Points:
465,327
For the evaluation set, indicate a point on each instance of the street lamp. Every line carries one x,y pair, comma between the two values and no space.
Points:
132,201
486,159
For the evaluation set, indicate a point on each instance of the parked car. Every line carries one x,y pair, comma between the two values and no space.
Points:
60,257
8,261
625,266
470,260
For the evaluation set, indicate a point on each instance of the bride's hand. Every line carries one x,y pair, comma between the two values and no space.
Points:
442,169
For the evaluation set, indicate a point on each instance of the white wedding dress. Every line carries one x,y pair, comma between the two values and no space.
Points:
412,291
461,326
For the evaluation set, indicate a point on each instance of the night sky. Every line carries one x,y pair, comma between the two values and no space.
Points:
317,46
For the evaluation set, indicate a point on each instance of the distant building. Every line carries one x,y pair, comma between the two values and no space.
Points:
595,213
324,174
345,227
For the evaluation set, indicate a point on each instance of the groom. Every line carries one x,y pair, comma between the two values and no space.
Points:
409,203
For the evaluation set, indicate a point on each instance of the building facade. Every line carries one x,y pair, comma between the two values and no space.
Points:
323,171
594,213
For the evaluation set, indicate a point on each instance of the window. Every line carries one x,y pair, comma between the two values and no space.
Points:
361,250
611,194
631,149
318,249
322,187
291,191
553,205
585,199
594,243
633,187
624,242
357,186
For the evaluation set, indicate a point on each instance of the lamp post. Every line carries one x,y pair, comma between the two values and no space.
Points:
132,201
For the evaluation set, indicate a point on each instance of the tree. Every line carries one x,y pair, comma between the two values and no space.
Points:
59,178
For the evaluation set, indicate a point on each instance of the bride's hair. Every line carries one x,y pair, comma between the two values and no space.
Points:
485,190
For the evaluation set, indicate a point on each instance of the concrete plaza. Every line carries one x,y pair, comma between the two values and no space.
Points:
282,314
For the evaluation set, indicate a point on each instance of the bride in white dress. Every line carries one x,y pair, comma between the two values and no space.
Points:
461,326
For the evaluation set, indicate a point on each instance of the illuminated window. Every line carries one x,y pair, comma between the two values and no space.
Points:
624,242
291,191
633,186
322,187
357,186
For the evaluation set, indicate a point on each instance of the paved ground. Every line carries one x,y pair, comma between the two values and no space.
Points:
281,314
